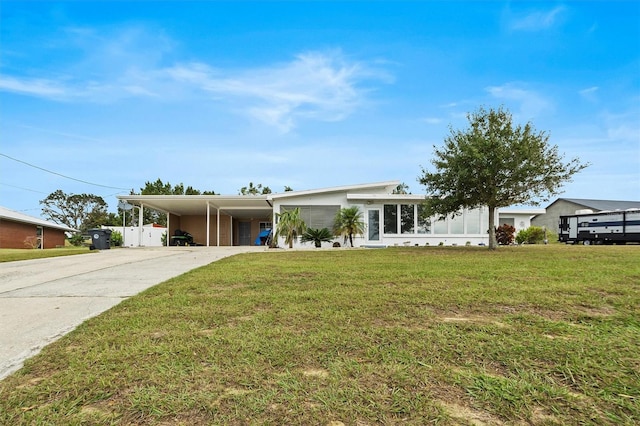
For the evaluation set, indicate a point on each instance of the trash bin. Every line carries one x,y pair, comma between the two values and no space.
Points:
100,239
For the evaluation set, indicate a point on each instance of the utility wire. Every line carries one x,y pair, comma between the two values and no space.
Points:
61,175
24,189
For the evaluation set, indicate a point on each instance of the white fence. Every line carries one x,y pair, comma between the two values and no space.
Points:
133,236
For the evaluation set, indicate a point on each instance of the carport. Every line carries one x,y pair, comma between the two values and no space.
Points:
213,220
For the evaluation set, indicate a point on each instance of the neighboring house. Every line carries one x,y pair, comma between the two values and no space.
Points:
391,219
518,218
18,230
569,206
149,235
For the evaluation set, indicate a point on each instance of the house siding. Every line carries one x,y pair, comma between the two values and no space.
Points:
15,235
196,226
53,238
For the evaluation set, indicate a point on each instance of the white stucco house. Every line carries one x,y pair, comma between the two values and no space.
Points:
391,219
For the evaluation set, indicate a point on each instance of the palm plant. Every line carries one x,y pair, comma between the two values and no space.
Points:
317,236
289,226
348,222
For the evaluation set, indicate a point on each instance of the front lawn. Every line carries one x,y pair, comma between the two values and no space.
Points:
409,335
10,255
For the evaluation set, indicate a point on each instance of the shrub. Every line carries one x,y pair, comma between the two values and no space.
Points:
116,238
505,234
552,237
531,235
317,236
76,240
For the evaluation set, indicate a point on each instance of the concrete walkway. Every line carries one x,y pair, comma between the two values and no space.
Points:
43,299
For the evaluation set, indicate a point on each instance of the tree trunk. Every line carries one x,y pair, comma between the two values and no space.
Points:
493,243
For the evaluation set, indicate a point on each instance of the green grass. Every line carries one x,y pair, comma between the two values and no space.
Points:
10,255
543,335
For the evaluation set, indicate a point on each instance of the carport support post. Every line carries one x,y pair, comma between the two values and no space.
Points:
140,225
218,228
167,239
208,222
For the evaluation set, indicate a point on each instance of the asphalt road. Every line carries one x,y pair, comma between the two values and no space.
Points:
41,300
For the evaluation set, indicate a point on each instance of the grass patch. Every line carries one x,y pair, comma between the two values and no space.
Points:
453,335
11,255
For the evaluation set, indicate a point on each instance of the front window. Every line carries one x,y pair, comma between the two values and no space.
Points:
407,218
440,227
456,224
390,218
265,225
424,222
473,221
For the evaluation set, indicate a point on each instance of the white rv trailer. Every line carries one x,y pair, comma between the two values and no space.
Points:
605,227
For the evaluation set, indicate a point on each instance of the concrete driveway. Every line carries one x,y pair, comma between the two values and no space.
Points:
43,299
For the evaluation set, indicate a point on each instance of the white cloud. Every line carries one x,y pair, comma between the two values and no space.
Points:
139,90
588,90
132,63
432,120
589,93
278,116
625,133
529,102
535,21
320,86
622,128
33,87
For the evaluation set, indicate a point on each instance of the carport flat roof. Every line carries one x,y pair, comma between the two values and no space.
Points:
237,206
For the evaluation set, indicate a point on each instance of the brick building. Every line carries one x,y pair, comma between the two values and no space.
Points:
19,231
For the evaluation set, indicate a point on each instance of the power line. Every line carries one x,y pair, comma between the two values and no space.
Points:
61,175
24,189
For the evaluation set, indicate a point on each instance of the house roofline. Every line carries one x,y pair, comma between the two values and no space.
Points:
12,215
344,188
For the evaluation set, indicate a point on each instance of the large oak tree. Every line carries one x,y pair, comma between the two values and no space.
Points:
494,163
78,211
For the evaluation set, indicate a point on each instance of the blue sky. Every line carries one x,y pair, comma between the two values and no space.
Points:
306,94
